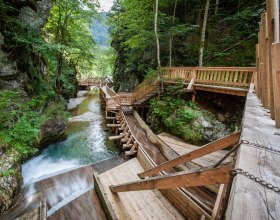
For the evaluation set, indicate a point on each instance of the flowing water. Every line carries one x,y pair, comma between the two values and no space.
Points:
87,143
63,171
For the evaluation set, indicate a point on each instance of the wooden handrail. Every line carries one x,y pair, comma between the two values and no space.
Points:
208,176
220,144
224,76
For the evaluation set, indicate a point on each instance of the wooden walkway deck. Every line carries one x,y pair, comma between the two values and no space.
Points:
249,200
149,204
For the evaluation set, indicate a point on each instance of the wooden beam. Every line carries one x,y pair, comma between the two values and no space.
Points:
110,118
276,81
181,179
117,137
206,149
190,84
113,125
219,201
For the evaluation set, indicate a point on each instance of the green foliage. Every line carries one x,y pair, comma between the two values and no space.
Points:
176,115
231,34
21,119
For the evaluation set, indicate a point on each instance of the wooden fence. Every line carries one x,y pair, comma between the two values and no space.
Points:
220,76
268,61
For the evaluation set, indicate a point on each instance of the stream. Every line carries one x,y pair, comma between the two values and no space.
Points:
87,143
64,171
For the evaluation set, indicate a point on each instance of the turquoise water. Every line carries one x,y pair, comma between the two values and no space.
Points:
87,143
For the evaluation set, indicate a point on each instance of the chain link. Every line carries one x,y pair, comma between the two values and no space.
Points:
255,179
260,146
277,133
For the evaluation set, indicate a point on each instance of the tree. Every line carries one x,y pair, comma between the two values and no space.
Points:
68,27
203,30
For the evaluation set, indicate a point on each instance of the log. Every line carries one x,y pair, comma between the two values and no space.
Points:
113,125
129,153
110,118
117,137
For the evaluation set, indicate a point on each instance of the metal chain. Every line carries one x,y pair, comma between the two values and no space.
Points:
260,146
255,179
277,133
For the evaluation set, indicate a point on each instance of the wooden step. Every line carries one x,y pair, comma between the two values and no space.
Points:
149,204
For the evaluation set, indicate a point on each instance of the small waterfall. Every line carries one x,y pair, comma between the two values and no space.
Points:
60,173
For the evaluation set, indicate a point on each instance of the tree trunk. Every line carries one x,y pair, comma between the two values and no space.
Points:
171,36
156,34
201,49
276,21
158,46
217,6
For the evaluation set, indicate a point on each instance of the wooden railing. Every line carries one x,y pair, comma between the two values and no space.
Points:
146,87
126,98
267,59
220,76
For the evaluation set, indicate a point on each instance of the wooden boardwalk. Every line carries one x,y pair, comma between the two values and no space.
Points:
250,200
149,204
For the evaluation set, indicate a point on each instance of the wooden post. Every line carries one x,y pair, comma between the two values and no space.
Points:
276,81
269,41
266,75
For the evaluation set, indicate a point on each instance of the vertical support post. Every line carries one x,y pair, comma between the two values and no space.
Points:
266,52
270,39
193,97
276,81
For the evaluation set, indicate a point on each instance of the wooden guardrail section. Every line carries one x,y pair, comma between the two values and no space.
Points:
227,80
267,59
221,76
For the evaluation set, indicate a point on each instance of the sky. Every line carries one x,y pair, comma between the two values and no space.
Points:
106,4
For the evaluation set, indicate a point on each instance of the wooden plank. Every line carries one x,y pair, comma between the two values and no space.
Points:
182,148
206,149
276,81
269,41
190,84
250,200
135,205
114,138
113,125
181,179
219,201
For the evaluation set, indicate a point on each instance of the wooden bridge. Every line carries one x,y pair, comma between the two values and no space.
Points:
87,82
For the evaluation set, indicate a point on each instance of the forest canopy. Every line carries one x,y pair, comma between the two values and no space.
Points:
230,35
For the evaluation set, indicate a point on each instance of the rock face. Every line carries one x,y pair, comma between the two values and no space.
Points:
52,131
15,67
10,181
14,61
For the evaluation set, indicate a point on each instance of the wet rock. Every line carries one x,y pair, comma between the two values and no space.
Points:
74,103
10,180
211,128
86,117
221,118
52,131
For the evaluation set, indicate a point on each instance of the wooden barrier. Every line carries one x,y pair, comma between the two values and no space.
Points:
221,76
267,60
